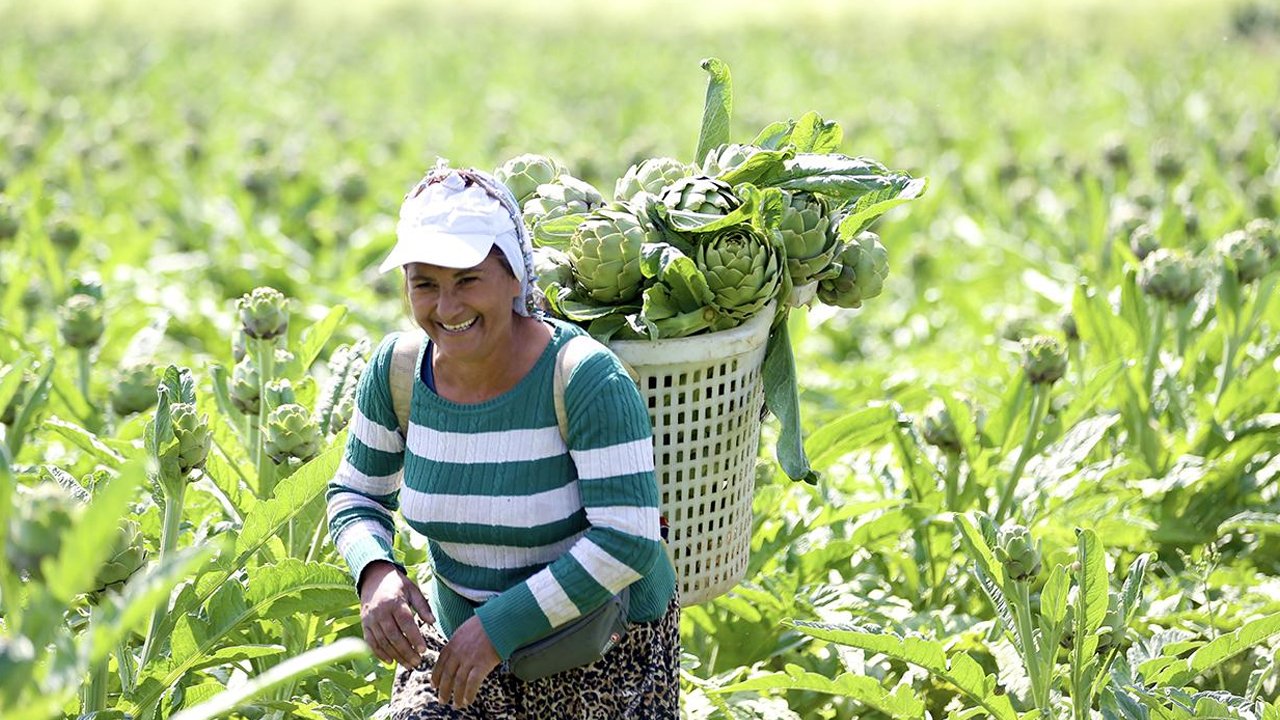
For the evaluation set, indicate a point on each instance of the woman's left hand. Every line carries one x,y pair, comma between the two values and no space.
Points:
467,659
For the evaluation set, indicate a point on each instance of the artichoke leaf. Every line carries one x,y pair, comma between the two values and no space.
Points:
759,168
809,134
868,208
717,109
574,307
775,135
838,176
608,327
556,232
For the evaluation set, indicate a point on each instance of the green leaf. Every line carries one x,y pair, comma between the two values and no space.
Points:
86,441
958,669
782,399
869,207
291,587
1221,649
1063,458
84,551
34,404
975,545
11,379
1131,592
855,431
1053,598
812,135
837,176
1253,522
717,110
901,703
1091,598
759,168
314,337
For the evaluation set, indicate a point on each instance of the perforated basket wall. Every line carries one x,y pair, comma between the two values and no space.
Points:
705,394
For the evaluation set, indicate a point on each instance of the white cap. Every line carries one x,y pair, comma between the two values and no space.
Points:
454,223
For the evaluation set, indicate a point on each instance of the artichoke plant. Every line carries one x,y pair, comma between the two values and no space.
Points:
744,271
1248,255
192,432
41,515
857,273
1143,241
808,237
1044,358
64,234
523,174
566,196
278,392
939,429
246,387
351,186
649,176
264,313
727,157
290,432
134,389
1017,552
700,194
128,556
1170,275
605,255
81,321
1265,231
552,267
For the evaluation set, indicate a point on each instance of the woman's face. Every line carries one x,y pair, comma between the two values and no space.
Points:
467,312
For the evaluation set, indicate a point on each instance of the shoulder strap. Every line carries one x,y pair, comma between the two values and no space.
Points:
400,375
574,351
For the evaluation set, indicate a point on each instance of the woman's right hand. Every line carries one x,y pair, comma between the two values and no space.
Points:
388,602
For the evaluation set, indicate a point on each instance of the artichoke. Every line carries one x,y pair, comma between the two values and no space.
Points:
808,236
351,186
1265,230
291,433
81,321
744,272
40,517
1169,275
939,429
523,174
649,176
552,267
1247,253
128,556
727,157
64,235
134,389
1044,359
857,273
9,219
246,387
605,254
342,412
239,345
1017,553
34,297
1067,323
566,196
1143,241
700,194
264,313
279,392
1168,164
192,432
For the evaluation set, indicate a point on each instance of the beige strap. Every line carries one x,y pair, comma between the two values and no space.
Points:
574,351
404,358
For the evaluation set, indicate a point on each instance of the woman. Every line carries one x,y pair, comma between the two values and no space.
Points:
527,529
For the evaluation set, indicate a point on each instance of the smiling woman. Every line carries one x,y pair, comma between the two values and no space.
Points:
532,526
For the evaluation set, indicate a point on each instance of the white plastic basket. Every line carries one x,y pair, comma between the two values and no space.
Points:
705,394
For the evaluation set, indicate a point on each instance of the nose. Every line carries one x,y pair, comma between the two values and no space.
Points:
447,305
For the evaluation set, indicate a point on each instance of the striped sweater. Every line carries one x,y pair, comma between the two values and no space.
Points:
523,531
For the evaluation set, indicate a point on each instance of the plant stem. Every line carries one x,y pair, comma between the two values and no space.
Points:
953,482
175,491
93,696
1152,358
82,355
1030,651
264,351
124,664
1039,408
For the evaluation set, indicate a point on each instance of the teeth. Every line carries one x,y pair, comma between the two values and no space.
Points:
458,328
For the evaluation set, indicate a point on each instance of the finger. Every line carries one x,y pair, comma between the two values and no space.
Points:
377,643
420,604
471,689
397,644
410,630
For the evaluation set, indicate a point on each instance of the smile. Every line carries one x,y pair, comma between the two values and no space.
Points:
460,328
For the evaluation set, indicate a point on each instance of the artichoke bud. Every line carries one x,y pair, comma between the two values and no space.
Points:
291,433
258,181
264,313
1143,241
192,433
566,196
1067,323
64,235
649,176
1044,359
859,272
1168,165
939,429
700,194
239,345
351,186
9,219
279,392
1169,275
88,284
34,296
1247,253
727,157
552,267
1116,154
81,321
743,270
342,412
523,174
604,253
1017,552
246,387
1265,231
134,389
41,515
127,557
806,234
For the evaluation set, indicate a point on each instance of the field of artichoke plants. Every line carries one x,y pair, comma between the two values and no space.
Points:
1025,371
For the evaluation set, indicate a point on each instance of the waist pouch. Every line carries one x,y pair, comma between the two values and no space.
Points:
578,643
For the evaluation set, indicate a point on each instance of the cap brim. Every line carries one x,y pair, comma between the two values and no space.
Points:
452,250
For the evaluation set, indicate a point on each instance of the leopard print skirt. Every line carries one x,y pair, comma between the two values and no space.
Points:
638,679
